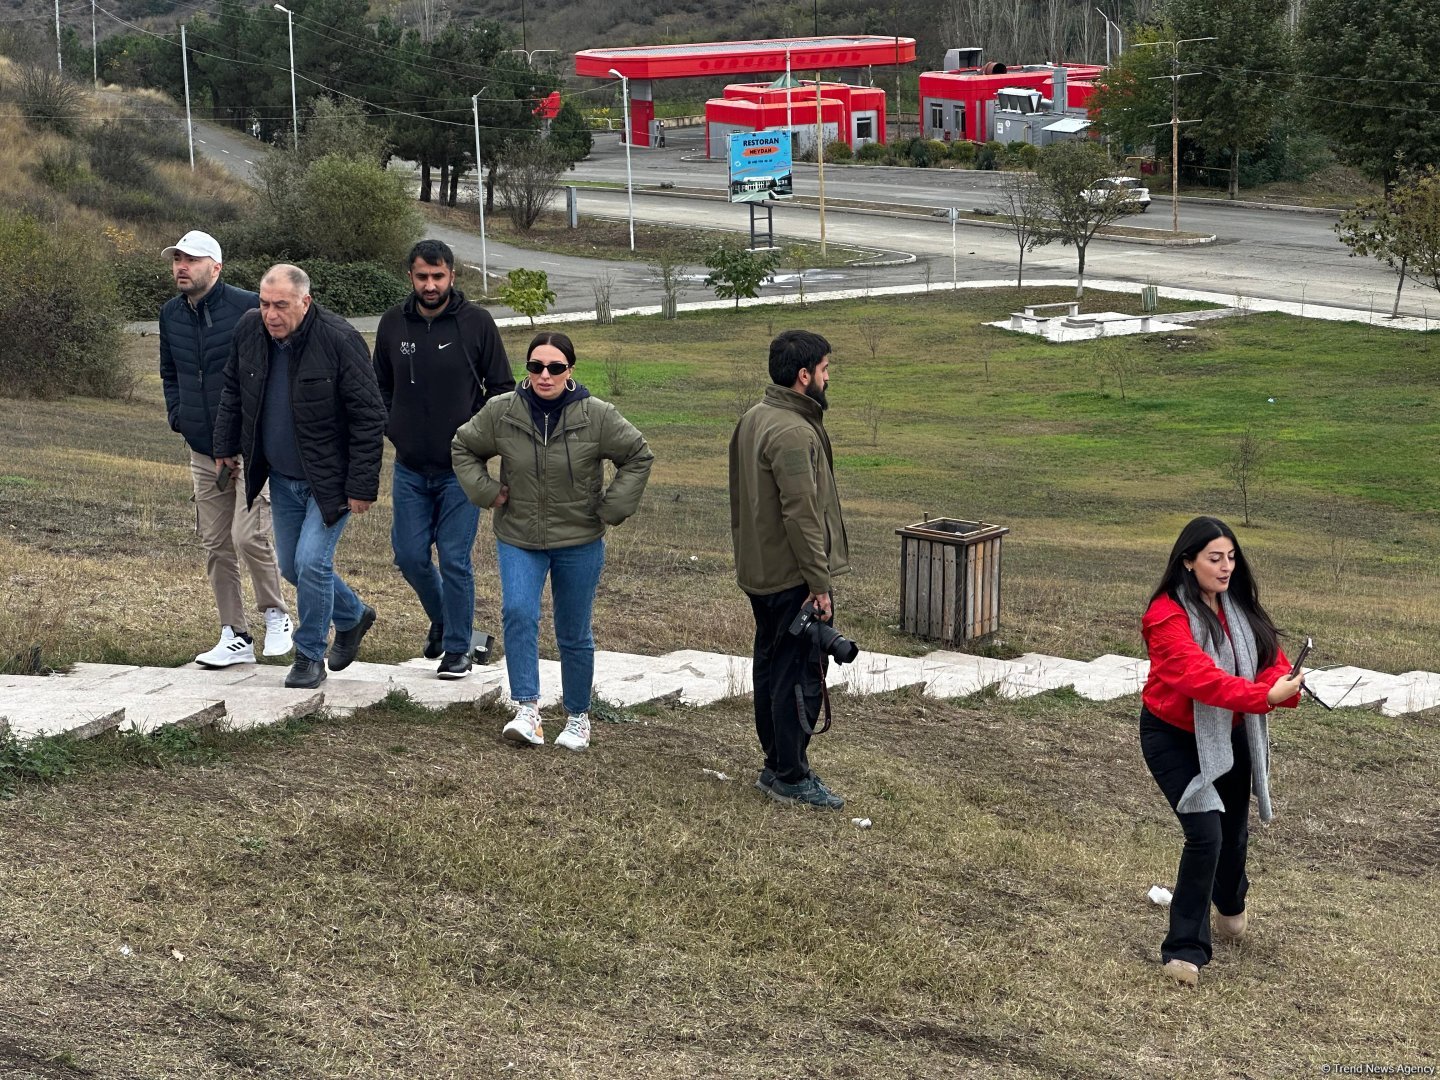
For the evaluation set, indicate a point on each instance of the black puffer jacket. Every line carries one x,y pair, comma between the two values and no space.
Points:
339,416
194,348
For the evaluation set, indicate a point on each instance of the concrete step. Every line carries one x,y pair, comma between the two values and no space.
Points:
1421,692
1355,688
696,678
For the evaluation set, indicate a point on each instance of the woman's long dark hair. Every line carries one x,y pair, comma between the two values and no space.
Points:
1178,583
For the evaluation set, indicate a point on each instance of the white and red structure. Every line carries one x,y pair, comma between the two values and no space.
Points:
854,115
642,65
962,102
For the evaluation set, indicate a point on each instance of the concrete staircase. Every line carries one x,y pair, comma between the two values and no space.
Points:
94,698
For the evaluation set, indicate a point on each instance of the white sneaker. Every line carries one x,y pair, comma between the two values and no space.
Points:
576,735
231,649
279,632
526,728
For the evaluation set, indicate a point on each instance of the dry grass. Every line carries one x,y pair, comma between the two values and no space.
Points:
403,895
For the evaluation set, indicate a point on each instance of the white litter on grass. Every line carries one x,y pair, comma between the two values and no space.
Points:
860,822
125,950
1160,895
716,775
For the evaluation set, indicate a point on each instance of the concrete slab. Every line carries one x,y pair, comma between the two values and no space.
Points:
1353,687
265,706
878,673
698,678
1116,662
49,710
1421,692
957,674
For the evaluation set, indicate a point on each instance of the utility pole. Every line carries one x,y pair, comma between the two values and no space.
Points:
185,66
59,53
1175,76
820,160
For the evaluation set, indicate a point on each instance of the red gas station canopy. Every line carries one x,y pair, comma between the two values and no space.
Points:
728,58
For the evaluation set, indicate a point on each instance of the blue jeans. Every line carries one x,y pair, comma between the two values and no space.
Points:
433,512
574,577
305,550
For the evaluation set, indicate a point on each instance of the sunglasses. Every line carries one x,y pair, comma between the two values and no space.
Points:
535,367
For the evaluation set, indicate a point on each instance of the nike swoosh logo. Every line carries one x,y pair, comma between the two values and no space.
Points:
446,345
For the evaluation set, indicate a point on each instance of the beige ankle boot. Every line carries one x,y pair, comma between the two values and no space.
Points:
1182,971
1230,927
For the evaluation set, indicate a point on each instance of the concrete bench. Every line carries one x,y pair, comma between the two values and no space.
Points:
1072,308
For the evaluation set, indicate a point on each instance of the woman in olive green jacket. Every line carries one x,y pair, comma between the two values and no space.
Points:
550,509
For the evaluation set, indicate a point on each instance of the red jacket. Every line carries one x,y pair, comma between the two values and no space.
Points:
1182,674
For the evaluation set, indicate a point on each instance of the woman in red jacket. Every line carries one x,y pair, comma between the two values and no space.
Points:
1216,670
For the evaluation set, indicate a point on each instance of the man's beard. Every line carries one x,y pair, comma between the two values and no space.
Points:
439,304
817,394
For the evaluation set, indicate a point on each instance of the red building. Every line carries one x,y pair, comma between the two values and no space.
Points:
961,103
854,115
644,64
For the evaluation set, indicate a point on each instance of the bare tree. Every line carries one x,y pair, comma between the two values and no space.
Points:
1246,462
872,332
602,285
871,414
1021,205
529,178
668,273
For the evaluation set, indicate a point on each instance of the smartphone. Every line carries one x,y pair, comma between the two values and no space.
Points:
222,478
1300,659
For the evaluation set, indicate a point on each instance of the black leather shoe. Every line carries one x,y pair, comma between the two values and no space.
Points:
455,665
347,642
433,646
305,674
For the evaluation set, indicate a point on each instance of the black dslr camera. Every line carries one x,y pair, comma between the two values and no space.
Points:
829,639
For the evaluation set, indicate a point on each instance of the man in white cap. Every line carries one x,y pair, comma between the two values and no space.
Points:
196,327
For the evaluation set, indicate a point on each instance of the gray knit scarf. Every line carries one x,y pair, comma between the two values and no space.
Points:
1236,655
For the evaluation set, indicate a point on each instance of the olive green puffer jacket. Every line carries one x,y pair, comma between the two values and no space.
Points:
558,496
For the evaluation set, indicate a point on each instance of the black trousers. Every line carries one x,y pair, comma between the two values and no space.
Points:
1212,863
779,667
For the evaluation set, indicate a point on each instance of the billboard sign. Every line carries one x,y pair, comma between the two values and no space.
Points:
760,166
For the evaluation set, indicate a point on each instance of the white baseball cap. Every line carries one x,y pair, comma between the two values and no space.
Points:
198,244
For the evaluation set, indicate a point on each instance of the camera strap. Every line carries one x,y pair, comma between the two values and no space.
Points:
823,726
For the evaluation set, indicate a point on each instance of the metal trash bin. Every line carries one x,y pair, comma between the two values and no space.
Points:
950,579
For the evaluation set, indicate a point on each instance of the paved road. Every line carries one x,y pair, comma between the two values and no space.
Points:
1266,253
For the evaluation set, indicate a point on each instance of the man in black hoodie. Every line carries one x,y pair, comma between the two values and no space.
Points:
438,359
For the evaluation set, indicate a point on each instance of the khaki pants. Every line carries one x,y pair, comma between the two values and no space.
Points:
231,533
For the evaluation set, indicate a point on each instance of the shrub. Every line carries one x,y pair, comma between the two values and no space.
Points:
115,154
72,339
142,284
736,273
985,157
873,151
51,101
1021,155
962,152
529,178
939,151
353,211
838,151
349,289
62,168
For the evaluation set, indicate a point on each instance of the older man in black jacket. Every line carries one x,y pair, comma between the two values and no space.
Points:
302,405
195,336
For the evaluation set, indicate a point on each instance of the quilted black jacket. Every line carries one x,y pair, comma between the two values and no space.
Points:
194,348
339,416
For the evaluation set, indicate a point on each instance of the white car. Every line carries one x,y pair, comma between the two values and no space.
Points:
1134,194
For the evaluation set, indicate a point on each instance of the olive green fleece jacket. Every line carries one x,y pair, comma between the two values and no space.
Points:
784,508
558,496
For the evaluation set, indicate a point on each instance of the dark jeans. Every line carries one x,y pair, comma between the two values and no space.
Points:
432,513
1212,863
779,667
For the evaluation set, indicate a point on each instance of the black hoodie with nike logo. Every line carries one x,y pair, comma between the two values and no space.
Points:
435,374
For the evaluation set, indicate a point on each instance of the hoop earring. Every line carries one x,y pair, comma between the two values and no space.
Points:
525,383
570,384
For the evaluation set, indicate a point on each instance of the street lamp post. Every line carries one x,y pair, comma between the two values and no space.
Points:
480,194
629,135
185,67
1119,37
294,106
59,54
94,52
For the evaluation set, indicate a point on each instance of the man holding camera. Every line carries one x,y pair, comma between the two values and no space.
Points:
789,543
